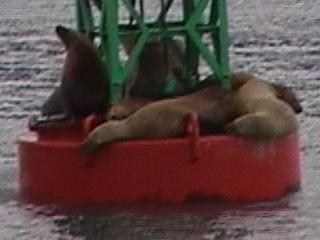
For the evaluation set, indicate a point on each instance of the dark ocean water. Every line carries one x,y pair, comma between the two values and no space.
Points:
277,39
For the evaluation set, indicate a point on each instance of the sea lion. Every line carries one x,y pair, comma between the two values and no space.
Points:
287,95
263,115
84,86
238,79
54,103
165,118
126,107
158,60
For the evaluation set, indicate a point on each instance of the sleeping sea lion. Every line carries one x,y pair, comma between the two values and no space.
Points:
262,115
126,107
165,118
238,79
284,93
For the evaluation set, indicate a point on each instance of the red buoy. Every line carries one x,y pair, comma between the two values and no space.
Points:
54,170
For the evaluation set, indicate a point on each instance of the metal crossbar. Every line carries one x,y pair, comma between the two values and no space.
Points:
192,27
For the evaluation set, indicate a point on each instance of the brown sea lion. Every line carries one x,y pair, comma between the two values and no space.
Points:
238,79
129,105
165,118
158,60
282,92
263,115
84,85
54,103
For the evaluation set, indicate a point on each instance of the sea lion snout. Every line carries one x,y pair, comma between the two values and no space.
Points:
63,33
290,98
60,29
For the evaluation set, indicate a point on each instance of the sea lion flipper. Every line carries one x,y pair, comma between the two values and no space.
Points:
37,122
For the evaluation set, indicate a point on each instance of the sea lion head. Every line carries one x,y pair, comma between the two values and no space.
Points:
288,96
67,36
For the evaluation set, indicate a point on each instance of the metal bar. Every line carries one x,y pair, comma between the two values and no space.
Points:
220,39
191,52
164,11
192,27
133,58
162,22
141,6
86,15
197,14
111,44
209,57
134,14
79,16
133,2
173,28
196,38
205,52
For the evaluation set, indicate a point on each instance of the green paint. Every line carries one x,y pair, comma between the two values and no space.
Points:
193,27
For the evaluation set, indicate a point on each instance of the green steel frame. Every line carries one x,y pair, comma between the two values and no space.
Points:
193,26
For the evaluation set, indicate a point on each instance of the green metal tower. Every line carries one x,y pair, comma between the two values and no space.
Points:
199,18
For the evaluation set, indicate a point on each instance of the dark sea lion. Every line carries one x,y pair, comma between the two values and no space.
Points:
84,86
165,118
158,60
54,103
263,115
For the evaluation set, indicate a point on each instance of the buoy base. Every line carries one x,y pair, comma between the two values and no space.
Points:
53,170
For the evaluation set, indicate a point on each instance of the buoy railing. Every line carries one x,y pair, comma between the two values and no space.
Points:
199,18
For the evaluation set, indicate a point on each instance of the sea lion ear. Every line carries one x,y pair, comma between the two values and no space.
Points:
63,33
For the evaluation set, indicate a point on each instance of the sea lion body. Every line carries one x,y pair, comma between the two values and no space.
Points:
84,86
166,118
54,103
126,107
238,79
158,60
263,115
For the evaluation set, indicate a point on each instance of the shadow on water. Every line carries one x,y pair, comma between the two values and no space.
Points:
204,219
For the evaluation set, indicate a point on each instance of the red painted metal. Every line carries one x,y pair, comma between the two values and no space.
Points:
54,170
